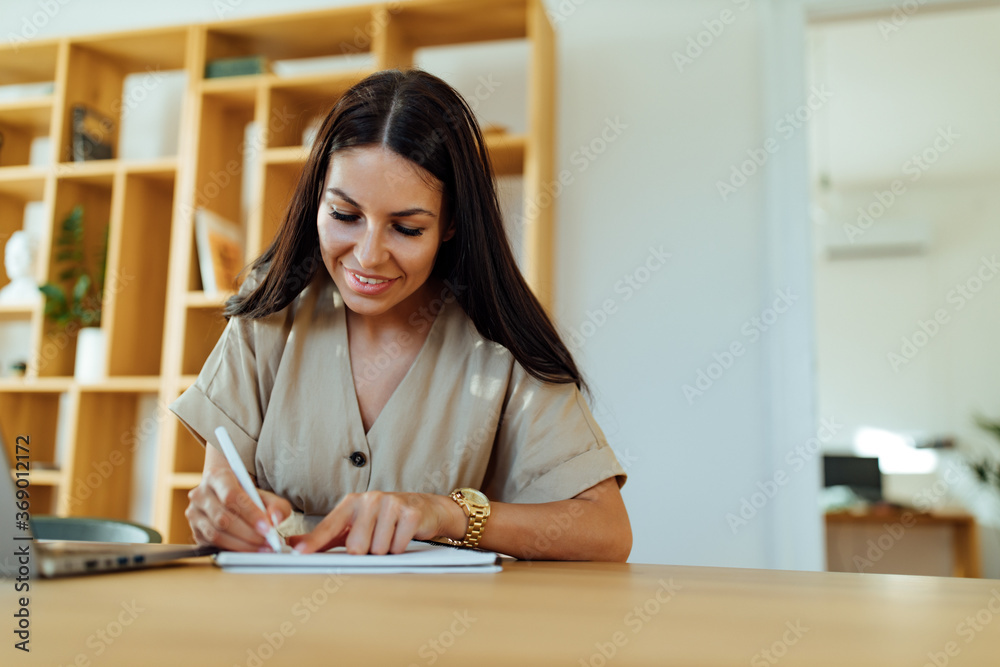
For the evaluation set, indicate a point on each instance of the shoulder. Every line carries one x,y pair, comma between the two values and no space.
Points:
273,330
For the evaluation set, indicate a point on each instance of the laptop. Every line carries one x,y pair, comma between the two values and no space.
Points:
26,556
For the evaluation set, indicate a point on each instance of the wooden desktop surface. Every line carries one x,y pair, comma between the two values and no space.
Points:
531,613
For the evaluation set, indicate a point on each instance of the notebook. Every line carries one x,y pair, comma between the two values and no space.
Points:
419,557
26,556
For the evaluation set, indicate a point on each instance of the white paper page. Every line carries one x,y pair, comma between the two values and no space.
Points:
417,555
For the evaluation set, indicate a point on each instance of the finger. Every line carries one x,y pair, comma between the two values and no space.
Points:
338,541
406,529
208,534
386,525
226,519
366,516
330,528
228,491
277,508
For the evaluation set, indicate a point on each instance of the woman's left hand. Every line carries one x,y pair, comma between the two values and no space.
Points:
379,522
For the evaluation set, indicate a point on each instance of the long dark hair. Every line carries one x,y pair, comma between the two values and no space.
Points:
422,118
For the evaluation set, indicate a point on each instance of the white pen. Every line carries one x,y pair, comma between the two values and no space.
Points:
236,463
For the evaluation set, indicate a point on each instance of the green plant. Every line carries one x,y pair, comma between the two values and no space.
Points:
76,298
987,469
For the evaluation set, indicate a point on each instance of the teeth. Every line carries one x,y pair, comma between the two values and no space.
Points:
368,281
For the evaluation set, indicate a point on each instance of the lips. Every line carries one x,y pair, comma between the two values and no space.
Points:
367,284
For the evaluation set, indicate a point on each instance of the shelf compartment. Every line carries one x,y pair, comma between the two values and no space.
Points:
138,50
94,194
179,530
189,454
280,180
24,183
433,23
185,480
201,332
200,299
21,122
31,61
34,414
297,102
307,34
136,285
100,483
221,154
506,153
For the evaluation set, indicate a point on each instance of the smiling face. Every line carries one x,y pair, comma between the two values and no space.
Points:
380,227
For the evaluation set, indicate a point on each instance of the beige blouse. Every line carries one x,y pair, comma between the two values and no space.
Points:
466,414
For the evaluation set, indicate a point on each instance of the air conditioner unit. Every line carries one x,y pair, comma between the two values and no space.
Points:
880,238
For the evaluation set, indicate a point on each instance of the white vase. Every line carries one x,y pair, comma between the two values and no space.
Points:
90,355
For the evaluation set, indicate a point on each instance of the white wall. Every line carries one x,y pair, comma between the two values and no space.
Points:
692,461
884,360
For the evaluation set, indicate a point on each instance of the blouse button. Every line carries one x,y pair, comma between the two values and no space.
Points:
359,459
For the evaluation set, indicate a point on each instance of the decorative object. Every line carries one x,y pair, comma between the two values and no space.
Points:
220,251
19,261
82,304
91,352
79,308
92,132
240,66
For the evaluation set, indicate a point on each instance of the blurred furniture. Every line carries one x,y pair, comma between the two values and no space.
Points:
92,530
889,540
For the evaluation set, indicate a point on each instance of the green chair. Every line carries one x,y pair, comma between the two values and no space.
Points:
92,530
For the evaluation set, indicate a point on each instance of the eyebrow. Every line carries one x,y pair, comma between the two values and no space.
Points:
396,214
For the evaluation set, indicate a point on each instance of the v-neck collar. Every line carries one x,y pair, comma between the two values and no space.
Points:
347,369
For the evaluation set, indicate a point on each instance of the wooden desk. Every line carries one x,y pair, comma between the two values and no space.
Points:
530,614
887,541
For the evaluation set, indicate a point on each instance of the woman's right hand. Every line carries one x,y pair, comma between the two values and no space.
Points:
222,514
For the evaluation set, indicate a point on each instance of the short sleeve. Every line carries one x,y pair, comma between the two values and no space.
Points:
548,446
234,386
226,393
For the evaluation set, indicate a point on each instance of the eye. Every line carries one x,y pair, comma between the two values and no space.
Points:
343,217
408,231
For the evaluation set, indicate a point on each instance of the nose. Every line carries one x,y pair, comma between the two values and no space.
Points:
370,251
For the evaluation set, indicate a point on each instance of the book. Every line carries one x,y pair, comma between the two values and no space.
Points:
219,244
92,132
241,66
419,557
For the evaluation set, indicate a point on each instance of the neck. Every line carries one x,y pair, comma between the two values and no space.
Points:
415,316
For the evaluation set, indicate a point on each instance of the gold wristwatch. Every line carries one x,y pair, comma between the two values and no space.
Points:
477,508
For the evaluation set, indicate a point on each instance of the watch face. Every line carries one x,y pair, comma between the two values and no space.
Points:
475,497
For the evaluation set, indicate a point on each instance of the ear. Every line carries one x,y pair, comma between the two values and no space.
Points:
450,232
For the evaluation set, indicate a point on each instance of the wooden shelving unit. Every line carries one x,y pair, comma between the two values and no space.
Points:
160,325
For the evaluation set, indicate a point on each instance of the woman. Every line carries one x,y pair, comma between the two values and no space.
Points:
386,374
